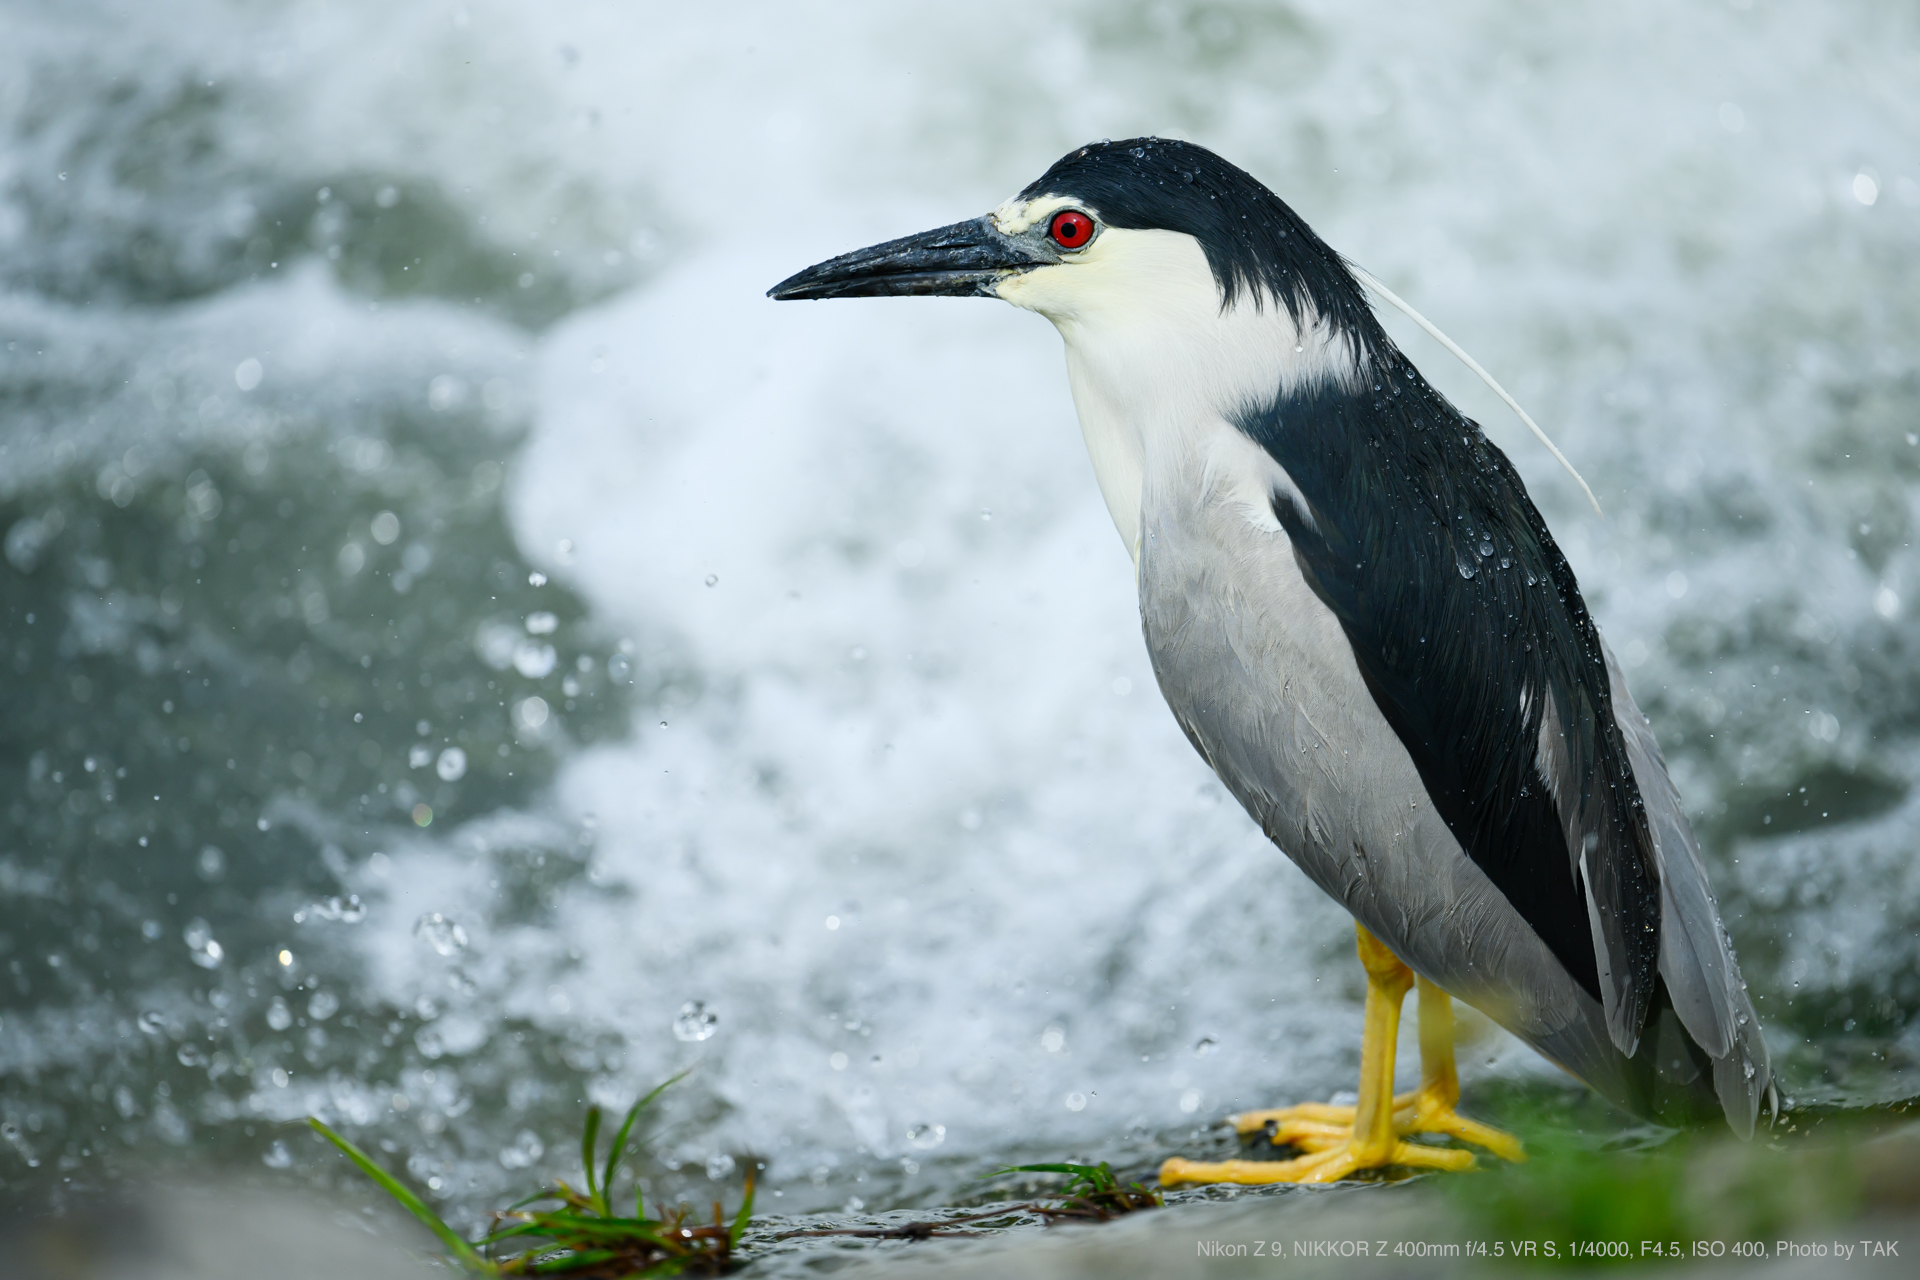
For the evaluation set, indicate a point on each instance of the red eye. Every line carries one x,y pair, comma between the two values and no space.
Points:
1071,228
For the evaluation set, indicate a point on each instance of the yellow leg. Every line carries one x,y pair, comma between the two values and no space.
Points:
1339,1140
1371,1141
1431,1108
1316,1126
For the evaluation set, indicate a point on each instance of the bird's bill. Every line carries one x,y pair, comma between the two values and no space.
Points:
965,260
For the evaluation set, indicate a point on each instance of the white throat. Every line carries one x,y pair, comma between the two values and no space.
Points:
1156,367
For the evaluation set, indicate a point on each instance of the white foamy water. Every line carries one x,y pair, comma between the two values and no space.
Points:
844,728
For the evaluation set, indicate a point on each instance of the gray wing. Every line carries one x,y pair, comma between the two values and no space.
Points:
1258,672
1696,958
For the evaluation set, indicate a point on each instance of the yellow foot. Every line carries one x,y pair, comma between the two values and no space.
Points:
1322,1126
1432,1112
1332,1164
1341,1141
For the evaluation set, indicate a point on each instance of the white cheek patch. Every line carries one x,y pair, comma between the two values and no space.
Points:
1148,300
1017,216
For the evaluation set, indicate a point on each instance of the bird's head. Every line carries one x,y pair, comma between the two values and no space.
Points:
1144,249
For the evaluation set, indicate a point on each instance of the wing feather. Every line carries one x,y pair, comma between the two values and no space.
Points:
1696,959
1471,634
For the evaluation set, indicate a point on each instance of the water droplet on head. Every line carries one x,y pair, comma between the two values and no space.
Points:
1486,548
695,1022
1467,569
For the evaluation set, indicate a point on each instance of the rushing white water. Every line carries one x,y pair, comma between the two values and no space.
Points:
394,370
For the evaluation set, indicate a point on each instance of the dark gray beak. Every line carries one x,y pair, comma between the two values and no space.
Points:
965,260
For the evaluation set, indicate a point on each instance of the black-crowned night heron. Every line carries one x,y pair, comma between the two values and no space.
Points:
1364,627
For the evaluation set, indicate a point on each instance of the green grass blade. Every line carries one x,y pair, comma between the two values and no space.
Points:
573,1262
588,1142
559,1225
741,1219
535,1198
413,1204
1074,1170
620,1139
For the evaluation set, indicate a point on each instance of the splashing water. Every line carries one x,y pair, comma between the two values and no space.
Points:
406,492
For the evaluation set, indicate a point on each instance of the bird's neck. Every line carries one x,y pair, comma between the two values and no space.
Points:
1156,393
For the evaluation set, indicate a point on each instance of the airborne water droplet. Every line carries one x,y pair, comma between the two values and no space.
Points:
695,1023
927,1136
440,933
1204,1046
